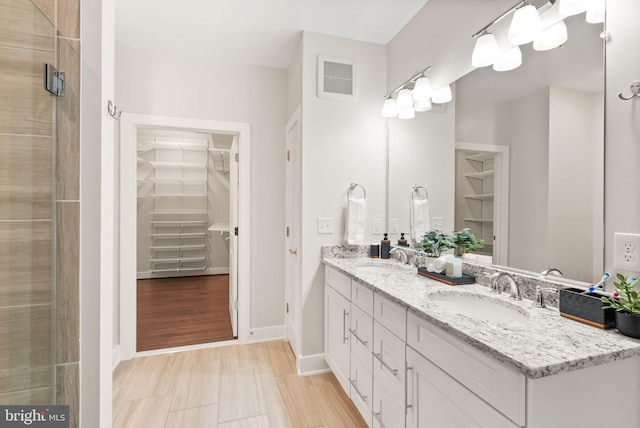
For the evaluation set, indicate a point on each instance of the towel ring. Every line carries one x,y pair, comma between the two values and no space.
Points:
354,186
416,191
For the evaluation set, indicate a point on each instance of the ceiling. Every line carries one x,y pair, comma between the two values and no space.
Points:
256,32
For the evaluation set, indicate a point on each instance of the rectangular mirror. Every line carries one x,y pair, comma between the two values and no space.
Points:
517,157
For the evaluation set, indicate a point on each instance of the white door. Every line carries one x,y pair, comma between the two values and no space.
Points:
233,238
292,232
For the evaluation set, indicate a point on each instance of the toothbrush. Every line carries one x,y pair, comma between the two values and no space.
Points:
599,285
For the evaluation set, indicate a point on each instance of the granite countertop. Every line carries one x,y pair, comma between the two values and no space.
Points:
542,344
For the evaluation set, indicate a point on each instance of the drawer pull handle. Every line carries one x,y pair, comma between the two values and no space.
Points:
355,334
391,369
406,389
345,336
378,416
355,386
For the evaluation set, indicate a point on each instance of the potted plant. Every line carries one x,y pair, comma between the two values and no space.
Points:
435,243
626,302
465,241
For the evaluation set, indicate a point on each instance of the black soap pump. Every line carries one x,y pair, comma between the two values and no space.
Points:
385,248
402,241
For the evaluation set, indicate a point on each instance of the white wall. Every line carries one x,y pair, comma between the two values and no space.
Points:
622,133
294,80
342,142
574,135
150,83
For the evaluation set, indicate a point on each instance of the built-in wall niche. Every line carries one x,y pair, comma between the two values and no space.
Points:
182,191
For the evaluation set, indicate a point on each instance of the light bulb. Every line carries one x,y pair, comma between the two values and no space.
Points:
389,108
442,95
552,37
404,100
509,60
595,12
486,51
422,89
422,105
525,25
572,7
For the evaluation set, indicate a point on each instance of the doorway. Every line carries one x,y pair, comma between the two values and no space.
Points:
178,235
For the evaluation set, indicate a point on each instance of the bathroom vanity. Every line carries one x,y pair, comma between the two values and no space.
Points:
412,352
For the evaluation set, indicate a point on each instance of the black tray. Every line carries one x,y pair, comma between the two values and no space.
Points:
464,279
586,308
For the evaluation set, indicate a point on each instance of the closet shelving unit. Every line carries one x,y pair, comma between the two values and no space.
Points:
177,186
481,179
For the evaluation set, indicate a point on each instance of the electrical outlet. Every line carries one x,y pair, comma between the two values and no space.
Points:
325,225
377,226
626,255
393,225
437,223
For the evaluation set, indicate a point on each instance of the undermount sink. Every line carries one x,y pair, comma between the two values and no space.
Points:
480,307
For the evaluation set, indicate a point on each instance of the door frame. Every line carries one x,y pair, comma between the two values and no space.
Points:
293,299
501,196
129,124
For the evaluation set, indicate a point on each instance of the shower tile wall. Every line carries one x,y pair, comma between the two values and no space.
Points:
32,165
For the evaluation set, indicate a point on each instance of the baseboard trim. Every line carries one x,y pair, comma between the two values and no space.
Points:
266,334
209,271
312,364
218,271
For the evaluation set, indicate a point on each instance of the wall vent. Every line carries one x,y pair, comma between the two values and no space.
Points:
337,79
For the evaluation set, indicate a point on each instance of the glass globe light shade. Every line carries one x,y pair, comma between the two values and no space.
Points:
572,7
442,95
422,105
595,12
389,108
422,89
486,51
408,113
404,100
509,60
525,25
552,37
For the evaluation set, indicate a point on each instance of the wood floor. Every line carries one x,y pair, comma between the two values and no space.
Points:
182,311
238,386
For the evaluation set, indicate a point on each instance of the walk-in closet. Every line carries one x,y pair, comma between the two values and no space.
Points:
183,239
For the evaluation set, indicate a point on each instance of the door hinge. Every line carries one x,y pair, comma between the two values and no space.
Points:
235,231
287,231
235,305
288,155
236,156
54,80
287,307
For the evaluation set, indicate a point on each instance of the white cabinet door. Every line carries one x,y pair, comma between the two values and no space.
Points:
387,412
336,335
434,399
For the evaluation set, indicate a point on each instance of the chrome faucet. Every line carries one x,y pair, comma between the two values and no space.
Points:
538,300
515,288
547,271
401,255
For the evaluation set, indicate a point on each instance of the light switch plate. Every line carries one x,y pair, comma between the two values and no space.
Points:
377,226
393,225
437,223
626,247
325,225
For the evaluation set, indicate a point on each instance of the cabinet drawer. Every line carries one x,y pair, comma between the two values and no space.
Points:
361,328
339,281
391,315
361,382
389,361
385,409
362,296
434,399
495,383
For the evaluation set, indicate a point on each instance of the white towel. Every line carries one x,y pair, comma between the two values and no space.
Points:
354,230
440,263
419,218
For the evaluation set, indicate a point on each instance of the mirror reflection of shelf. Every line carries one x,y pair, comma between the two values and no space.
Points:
178,195
178,235
481,157
484,197
219,227
178,180
178,222
170,164
177,247
480,175
177,259
177,145
479,220
180,269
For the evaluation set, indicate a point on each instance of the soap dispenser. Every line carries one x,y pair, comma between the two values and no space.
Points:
385,248
402,241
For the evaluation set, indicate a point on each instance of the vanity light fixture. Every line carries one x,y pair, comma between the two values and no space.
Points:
525,25
423,105
422,90
389,108
412,95
595,12
573,7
